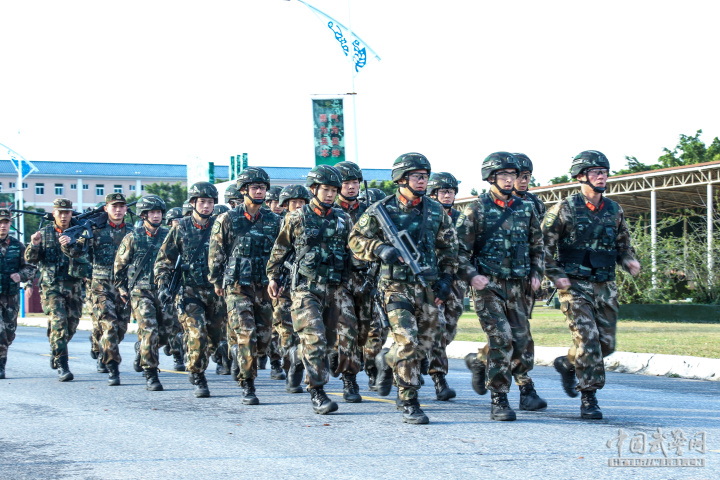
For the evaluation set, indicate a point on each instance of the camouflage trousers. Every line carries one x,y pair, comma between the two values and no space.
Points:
113,316
282,323
175,341
370,333
323,316
9,306
590,310
155,323
250,318
510,350
202,318
62,303
417,329
96,332
450,310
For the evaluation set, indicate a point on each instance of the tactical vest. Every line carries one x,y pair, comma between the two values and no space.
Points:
9,264
56,266
454,215
355,213
538,205
506,253
251,247
322,247
195,274
422,224
106,241
142,245
590,251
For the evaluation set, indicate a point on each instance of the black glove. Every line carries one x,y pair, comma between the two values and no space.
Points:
443,287
164,295
388,254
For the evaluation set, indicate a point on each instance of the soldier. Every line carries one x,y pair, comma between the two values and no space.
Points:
240,246
443,187
500,248
111,311
232,196
187,209
589,233
13,270
523,181
292,197
134,282
272,200
200,312
412,307
175,343
173,216
321,303
96,332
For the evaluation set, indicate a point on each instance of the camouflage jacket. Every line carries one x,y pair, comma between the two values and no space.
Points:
54,264
537,204
240,247
588,254
355,210
12,260
514,250
133,249
183,239
102,249
426,222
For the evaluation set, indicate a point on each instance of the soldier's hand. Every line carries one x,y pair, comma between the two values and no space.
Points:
562,283
442,289
388,254
219,292
273,289
479,282
633,267
164,296
535,284
36,238
64,239
15,277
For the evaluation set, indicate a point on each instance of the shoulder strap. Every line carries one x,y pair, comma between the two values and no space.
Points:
146,257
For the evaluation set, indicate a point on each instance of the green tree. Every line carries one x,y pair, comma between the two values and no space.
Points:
386,186
474,192
561,179
174,194
533,183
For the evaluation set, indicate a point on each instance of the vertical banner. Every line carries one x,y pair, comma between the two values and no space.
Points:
329,131
233,169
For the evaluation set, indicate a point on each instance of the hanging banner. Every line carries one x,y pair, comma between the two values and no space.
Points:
329,131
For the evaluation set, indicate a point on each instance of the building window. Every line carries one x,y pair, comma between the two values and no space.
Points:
11,185
132,188
117,189
39,189
25,185
100,190
73,186
142,187
59,189
0,186
86,186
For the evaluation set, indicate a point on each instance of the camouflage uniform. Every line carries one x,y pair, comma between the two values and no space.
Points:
322,306
239,249
11,261
155,320
511,254
588,259
415,321
201,314
540,210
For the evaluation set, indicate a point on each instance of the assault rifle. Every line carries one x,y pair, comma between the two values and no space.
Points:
82,225
402,241
46,216
287,273
176,278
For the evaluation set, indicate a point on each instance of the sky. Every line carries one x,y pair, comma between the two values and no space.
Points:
174,81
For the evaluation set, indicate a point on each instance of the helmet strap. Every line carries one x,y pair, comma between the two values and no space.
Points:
348,199
317,199
504,191
202,215
594,188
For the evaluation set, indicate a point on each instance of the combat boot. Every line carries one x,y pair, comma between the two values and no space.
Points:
113,373
93,353
152,382
53,365
321,403
201,387
334,361
500,408
262,362
101,367
371,371
385,374
248,394
443,392
424,365
2,368
64,373
276,371
178,363
412,413
137,362
234,366
351,390
295,372
529,399
589,408
167,350
221,359
567,375
478,373
398,401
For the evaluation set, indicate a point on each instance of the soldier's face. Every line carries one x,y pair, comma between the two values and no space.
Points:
326,193
116,212
174,222
597,176
154,216
4,227
506,178
204,205
275,207
418,180
446,195
523,180
62,218
295,203
350,188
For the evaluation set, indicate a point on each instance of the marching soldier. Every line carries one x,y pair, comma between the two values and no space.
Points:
321,303
200,311
240,246
272,200
187,209
411,300
232,196
173,216
500,248
13,270
589,233
111,311
523,181
175,343
134,282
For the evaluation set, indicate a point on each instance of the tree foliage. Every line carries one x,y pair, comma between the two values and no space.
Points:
174,194
561,179
689,150
386,186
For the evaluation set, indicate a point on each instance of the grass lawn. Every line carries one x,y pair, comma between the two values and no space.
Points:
549,329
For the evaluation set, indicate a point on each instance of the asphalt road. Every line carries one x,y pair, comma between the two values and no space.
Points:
85,429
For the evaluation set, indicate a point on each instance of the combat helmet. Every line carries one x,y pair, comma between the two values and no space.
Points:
292,192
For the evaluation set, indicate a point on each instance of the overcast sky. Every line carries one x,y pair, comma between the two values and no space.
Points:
168,81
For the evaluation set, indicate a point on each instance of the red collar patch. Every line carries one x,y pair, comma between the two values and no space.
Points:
116,226
348,206
593,208
409,203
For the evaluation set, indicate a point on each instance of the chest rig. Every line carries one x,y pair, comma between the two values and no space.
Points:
251,247
321,246
145,252
9,264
